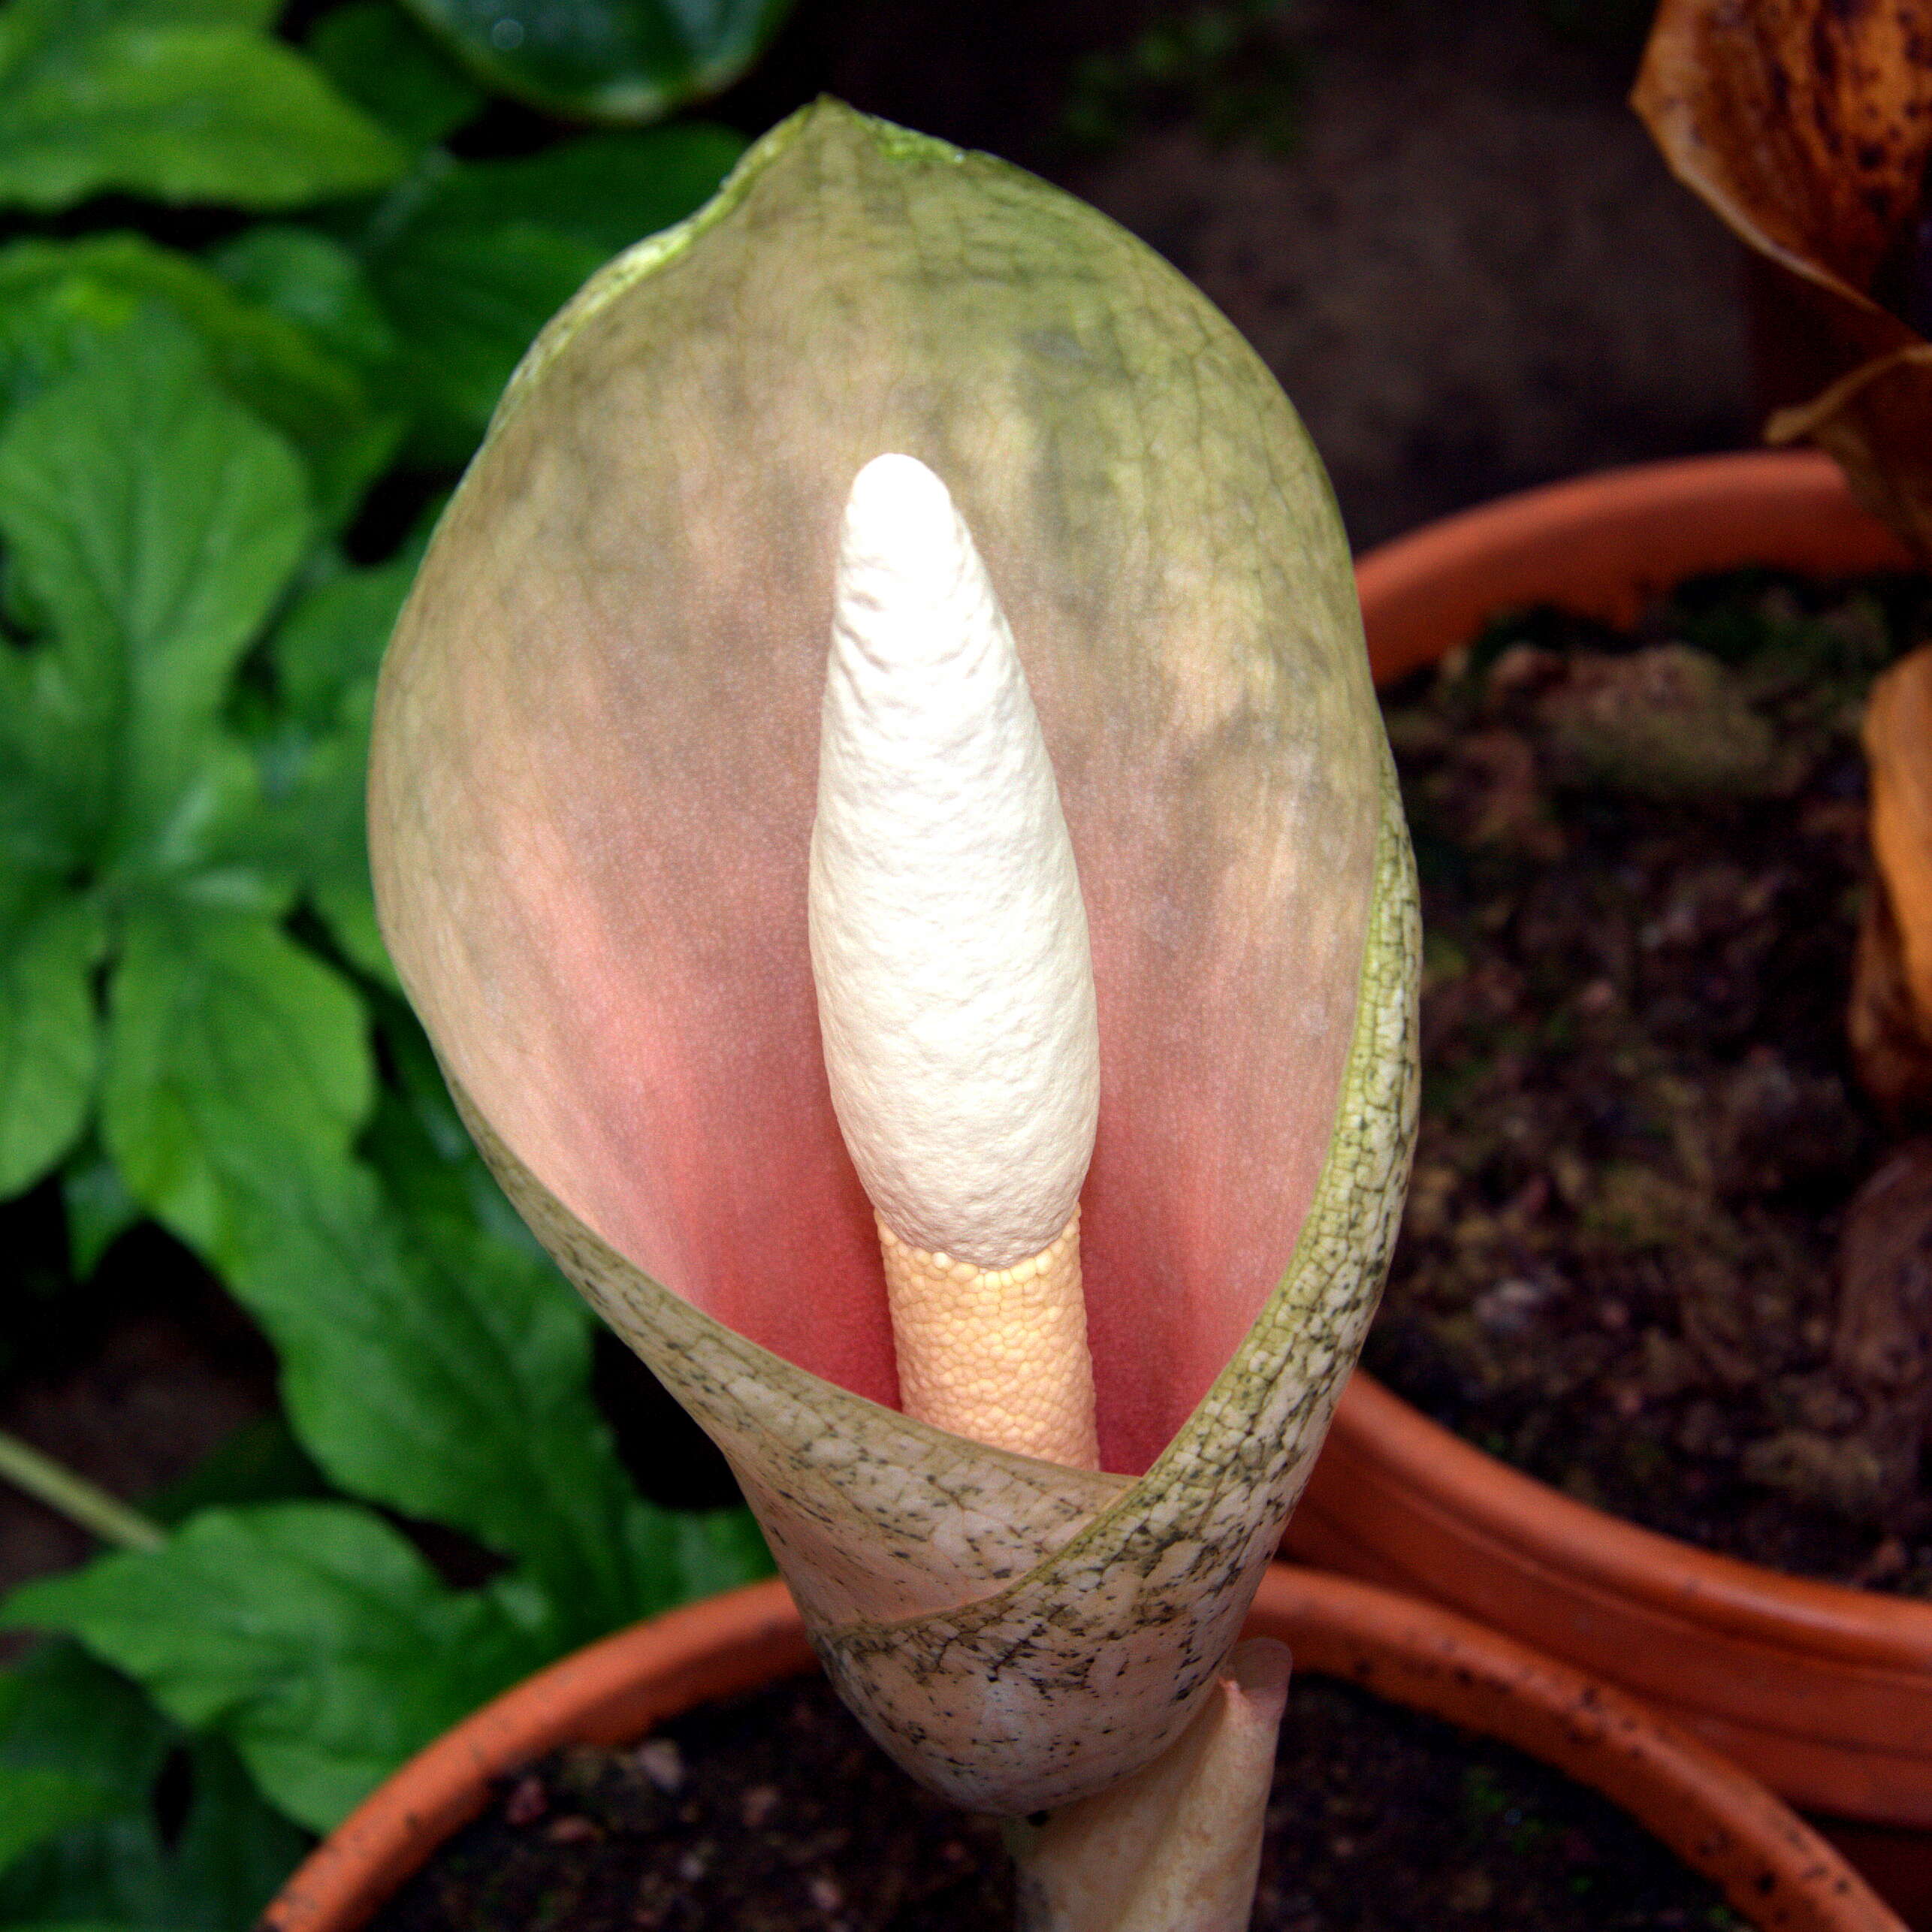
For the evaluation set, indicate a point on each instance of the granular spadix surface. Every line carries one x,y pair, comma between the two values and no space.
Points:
955,986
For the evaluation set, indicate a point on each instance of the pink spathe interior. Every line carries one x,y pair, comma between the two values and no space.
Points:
622,982
592,802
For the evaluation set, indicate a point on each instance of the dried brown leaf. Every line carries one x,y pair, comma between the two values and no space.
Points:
1877,424
1804,123
1891,1017
1898,747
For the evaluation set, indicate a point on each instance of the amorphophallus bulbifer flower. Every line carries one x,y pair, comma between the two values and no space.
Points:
592,797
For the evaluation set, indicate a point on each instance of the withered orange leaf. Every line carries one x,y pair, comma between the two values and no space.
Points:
1806,125
1877,424
1891,1000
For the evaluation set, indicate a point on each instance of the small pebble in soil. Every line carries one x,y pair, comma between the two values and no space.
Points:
788,1819
1636,1259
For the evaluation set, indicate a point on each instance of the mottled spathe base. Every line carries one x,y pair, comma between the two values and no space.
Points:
998,1355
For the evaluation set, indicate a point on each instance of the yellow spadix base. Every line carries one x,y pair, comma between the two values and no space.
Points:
998,1355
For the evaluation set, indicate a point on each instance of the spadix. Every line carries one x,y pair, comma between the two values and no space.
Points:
955,988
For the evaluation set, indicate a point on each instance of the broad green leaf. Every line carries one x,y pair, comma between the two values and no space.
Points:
49,329
604,191
320,825
325,655
35,1805
234,1850
429,1366
64,1717
56,719
311,1635
99,1209
261,1461
331,644
185,104
231,1853
491,250
309,281
607,60
155,524
61,1711
378,56
426,1363
289,346
49,1035
230,1051
696,1554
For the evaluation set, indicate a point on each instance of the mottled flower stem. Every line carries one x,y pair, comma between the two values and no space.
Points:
102,1516
1177,1846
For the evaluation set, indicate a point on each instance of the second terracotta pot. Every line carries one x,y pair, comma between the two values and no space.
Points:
1779,1874
1825,1692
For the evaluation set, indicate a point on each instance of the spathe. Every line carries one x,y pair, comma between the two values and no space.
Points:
591,795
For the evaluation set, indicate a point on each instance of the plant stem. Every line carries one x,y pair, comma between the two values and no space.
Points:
77,1499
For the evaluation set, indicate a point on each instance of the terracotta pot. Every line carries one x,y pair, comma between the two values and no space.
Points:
1775,1870
1824,1692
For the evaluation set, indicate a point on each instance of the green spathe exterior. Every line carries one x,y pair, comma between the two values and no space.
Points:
590,795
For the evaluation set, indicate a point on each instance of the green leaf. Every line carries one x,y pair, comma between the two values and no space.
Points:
186,104
606,60
99,1209
261,1461
328,648
61,1711
325,657
289,327
230,1051
36,1805
320,826
690,1554
312,283
470,268
386,64
426,1363
154,524
310,1634
66,1720
604,191
234,1850
232,1854
438,1370
49,1035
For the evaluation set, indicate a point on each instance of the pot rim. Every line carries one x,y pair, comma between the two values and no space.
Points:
1619,1560
1719,1819
1602,544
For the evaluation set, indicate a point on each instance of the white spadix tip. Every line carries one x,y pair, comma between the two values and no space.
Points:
901,529
948,938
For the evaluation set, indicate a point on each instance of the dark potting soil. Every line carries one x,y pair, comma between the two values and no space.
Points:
1643,859
773,1812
